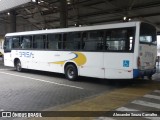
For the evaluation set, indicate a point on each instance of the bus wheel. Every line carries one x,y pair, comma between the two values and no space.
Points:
18,66
71,72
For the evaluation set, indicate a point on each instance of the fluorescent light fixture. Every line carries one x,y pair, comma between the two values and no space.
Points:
124,18
68,2
33,0
131,38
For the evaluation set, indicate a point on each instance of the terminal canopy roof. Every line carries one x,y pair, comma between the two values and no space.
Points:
45,14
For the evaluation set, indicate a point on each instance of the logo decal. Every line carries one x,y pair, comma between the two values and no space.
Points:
26,54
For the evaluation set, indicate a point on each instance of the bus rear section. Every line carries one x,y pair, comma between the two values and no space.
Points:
146,61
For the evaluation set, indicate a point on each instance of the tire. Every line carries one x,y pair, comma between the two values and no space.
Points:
18,66
71,72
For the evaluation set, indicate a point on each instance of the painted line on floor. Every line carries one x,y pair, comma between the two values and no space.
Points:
152,96
104,118
125,109
5,69
158,91
42,80
148,104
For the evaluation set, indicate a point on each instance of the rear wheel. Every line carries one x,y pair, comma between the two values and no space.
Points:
71,72
18,66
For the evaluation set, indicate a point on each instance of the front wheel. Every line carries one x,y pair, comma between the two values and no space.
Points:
18,66
71,72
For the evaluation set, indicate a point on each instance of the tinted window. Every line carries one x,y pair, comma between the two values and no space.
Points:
54,41
71,41
16,43
26,42
93,40
120,39
147,33
39,41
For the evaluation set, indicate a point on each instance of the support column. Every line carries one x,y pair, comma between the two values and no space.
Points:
63,14
13,21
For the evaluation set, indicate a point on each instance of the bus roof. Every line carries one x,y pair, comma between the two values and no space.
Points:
86,28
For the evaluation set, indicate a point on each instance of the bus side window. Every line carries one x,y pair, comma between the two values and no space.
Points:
68,41
58,38
115,39
54,41
119,39
72,41
16,43
77,40
93,40
26,42
39,41
84,38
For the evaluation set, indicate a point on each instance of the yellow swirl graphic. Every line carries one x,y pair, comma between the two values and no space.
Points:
59,62
80,59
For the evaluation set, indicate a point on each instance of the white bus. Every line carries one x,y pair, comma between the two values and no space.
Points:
112,51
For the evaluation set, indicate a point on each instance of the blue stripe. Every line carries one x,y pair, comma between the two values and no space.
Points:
136,73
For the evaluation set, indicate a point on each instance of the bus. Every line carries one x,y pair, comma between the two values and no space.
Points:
124,50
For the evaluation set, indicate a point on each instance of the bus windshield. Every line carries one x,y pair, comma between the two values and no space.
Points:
147,33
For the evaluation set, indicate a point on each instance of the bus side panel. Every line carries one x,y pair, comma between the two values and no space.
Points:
22,55
37,60
93,66
47,61
8,59
118,65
